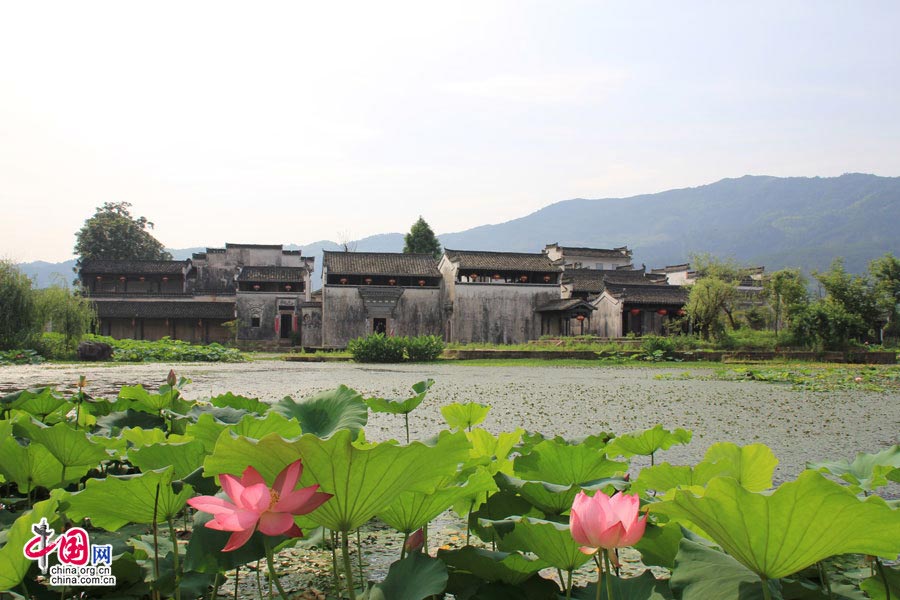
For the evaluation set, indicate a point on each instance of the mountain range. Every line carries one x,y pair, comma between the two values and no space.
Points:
778,222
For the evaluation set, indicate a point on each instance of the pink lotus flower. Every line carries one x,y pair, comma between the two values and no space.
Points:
603,522
256,506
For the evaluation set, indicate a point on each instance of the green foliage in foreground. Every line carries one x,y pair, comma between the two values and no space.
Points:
381,348
125,468
167,350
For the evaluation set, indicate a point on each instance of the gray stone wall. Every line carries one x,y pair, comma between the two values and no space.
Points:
498,313
607,319
345,315
265,307
311,324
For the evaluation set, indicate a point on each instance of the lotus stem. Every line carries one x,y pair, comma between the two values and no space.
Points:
569,586
406,422
609,590
823,578
359,560
403,545
599,576
334,563
215,590
175,558
765,587
259,591
880,568
425,539
237,578
156,539
348,567
270,561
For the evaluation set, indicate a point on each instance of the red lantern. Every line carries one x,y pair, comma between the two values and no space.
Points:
496,276
256,287
662,312
421,283
473,276
165,279
287,287
368,280
141,278
343,281
392,281
546,279
99,277
680,312
121,278
579,318
524,278
635,312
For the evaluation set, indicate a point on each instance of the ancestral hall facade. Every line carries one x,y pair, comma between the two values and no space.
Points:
262,295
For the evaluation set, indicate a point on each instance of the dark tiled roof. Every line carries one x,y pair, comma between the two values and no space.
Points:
673,268
593,281
649,294
500,261
164,310
557,305
134,267
256,246
380,263
597,252
279,274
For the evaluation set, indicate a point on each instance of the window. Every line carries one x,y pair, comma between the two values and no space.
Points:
379,325
254,321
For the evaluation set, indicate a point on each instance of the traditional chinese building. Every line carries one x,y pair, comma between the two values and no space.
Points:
571,257
638,308
379,292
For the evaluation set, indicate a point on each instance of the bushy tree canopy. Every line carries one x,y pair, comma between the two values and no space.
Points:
113,234
65,312
785,290
421,240
19,322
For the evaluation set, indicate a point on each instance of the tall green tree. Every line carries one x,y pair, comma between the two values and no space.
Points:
785,289
706,305
113,234
19,322
885,272
421,240
856,294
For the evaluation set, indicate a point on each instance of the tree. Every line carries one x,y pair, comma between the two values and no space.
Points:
785,290
854,293
886,273
827,325
421,240
18,315
707,301
67,313
113,234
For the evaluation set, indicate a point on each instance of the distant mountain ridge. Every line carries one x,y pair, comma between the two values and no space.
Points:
757,220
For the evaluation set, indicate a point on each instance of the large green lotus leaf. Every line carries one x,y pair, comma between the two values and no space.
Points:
564,464
41,403
240,402
494,451
552,542
112,424
28,466
812,590
225,415
801,523
553,498
138,436
113,502
752,465
401,407
231,454
255,427
204,551
659,545
894,475
366,480
412,510
867,472
642,587
184,457
415,577
142,400
874,586
205,430
70,447
512,568
464,416
13,564
327,412
702,573
498,507
647,442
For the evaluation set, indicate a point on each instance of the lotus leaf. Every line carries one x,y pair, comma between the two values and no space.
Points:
401,407
701,573
41,403
642,587
412,510
113,502
554,498
647,442
240,402
498,507
552,542
27,466
512,568
414,578
494,451
659,546
874,586
72,448
327,412
13,564
206,430
561,463
867,472
255,427
801,523
464,416
184,457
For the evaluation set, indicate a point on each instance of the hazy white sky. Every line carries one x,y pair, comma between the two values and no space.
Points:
263,122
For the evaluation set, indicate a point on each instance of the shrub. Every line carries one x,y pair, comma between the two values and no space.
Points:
167,350
827,325
424,348
19,323
20,357
651,344
377,348
54,346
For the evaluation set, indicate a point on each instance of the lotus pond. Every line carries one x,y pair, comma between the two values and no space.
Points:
755,488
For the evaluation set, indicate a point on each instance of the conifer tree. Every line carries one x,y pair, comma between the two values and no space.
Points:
421,240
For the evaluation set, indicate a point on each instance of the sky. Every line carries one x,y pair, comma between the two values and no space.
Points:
271,122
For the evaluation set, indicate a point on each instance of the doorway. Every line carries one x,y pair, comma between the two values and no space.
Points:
379,325
286,326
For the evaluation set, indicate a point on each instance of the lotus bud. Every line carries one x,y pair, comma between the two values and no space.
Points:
415,541
171,379
82,382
